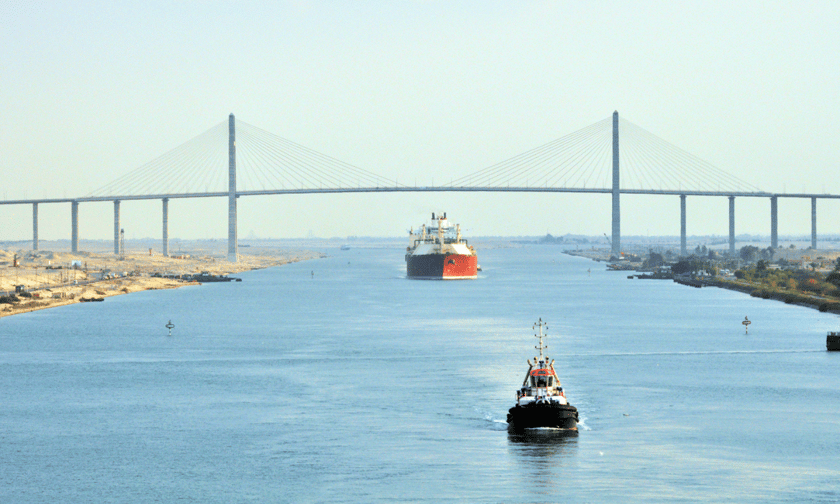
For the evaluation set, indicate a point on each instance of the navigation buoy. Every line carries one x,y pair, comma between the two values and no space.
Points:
746,323
169,326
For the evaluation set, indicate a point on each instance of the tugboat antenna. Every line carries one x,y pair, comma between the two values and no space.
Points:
541,325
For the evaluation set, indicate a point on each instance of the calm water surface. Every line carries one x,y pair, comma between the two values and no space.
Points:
357,385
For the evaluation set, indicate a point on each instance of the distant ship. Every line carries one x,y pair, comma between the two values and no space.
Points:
437,252
541,402
832,341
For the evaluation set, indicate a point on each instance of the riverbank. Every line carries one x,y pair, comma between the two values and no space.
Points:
753,288
36,280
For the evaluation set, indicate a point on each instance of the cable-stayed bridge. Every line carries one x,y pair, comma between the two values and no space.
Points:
235,159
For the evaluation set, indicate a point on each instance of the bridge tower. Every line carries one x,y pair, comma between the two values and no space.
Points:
616,211
233,249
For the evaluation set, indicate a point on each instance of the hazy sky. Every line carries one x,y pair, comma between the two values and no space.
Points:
416,90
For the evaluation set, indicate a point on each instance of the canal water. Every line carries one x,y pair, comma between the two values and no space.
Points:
338,380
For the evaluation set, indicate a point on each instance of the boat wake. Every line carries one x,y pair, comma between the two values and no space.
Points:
582,422
495,422
545,430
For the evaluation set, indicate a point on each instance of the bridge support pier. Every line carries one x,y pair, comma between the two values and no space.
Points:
813,222
233,248
774,222
732,226
616,207
683,248
34,226
165,245
74,218
117,250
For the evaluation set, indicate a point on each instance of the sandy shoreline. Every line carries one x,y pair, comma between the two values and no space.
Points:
53,279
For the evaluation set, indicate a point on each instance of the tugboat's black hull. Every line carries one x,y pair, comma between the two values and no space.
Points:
551,415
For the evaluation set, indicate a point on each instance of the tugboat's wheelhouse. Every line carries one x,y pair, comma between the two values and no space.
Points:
542,378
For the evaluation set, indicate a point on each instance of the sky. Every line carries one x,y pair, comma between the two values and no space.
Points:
424,91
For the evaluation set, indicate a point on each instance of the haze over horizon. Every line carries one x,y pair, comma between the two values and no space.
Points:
418,91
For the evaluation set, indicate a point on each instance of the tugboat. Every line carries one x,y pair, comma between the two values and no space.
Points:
541,402
439,253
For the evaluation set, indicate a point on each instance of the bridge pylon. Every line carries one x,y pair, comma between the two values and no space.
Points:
683,247
774,222
35,226
117,249
616,192
74,226
165,227
233,248
732,226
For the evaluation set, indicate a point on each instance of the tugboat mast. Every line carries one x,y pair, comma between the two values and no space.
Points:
541,347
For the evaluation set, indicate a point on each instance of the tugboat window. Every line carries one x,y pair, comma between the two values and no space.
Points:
550,381
541,382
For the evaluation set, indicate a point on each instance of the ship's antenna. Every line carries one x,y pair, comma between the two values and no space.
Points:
541,325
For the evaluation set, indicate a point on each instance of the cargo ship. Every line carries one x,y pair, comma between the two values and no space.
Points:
438,252
541,402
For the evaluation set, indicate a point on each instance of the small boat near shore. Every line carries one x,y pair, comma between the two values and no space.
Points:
203,277
832,341
541,402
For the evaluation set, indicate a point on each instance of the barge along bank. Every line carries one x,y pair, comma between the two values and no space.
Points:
541,402
438,252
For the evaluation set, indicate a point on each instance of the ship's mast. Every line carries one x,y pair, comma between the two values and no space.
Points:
541,347
440,232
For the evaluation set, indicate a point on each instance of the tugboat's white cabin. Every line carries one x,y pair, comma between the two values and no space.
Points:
541,384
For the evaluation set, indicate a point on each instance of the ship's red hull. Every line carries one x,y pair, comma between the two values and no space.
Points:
441,266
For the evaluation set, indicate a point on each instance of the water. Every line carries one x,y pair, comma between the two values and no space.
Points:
357,385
